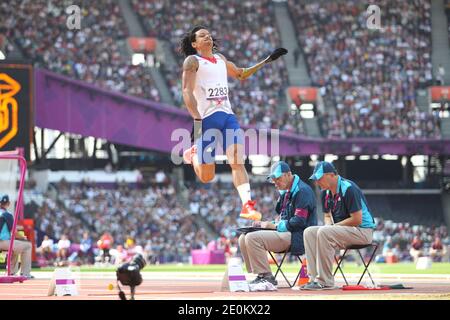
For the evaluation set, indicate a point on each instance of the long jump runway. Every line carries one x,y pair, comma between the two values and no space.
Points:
207,286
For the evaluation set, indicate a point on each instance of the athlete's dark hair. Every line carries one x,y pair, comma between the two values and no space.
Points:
189,37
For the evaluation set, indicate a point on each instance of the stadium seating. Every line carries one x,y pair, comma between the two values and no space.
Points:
368,78
416,209
246,34
91,54
447,12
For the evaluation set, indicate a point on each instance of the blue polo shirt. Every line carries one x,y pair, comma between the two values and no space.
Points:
297,210
348,199
298,203
6,222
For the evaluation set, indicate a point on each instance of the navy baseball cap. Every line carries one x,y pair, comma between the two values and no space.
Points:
321,168
277,170
4,199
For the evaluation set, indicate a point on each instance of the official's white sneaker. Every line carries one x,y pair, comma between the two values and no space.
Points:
262,286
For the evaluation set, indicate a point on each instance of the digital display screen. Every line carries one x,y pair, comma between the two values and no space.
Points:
16,101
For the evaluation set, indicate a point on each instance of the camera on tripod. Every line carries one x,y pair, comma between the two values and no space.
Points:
128,274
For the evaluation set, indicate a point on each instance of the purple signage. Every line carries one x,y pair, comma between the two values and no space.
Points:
73,106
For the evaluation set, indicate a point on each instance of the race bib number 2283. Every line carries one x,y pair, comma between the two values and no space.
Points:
216,93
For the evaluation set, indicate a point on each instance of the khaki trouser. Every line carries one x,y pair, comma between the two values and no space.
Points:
321,243
22,248
254,247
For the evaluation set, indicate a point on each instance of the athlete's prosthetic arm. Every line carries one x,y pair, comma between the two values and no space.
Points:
247,72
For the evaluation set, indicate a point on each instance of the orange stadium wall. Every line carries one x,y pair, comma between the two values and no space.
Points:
300,95
440,93
142,45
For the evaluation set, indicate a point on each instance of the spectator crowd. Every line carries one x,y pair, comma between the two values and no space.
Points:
368,78
246,33
91,53
407,242
447,12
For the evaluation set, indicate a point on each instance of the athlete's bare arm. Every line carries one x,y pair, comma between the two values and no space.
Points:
190,67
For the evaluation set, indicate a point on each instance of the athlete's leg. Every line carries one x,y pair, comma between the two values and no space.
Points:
205,172
236,160
202,154
234,145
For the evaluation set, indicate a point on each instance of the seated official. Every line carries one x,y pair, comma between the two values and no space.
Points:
21,245
296,207
348,221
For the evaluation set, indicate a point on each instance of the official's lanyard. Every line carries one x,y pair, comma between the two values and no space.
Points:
286,198
336,198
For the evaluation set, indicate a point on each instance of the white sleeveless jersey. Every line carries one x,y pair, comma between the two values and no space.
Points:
211,87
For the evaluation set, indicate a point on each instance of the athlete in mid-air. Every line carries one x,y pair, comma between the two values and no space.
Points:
205,93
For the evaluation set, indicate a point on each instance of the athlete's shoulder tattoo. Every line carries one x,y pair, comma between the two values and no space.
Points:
190,64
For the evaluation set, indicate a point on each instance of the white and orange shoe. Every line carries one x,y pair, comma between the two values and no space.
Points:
189,154
248,211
